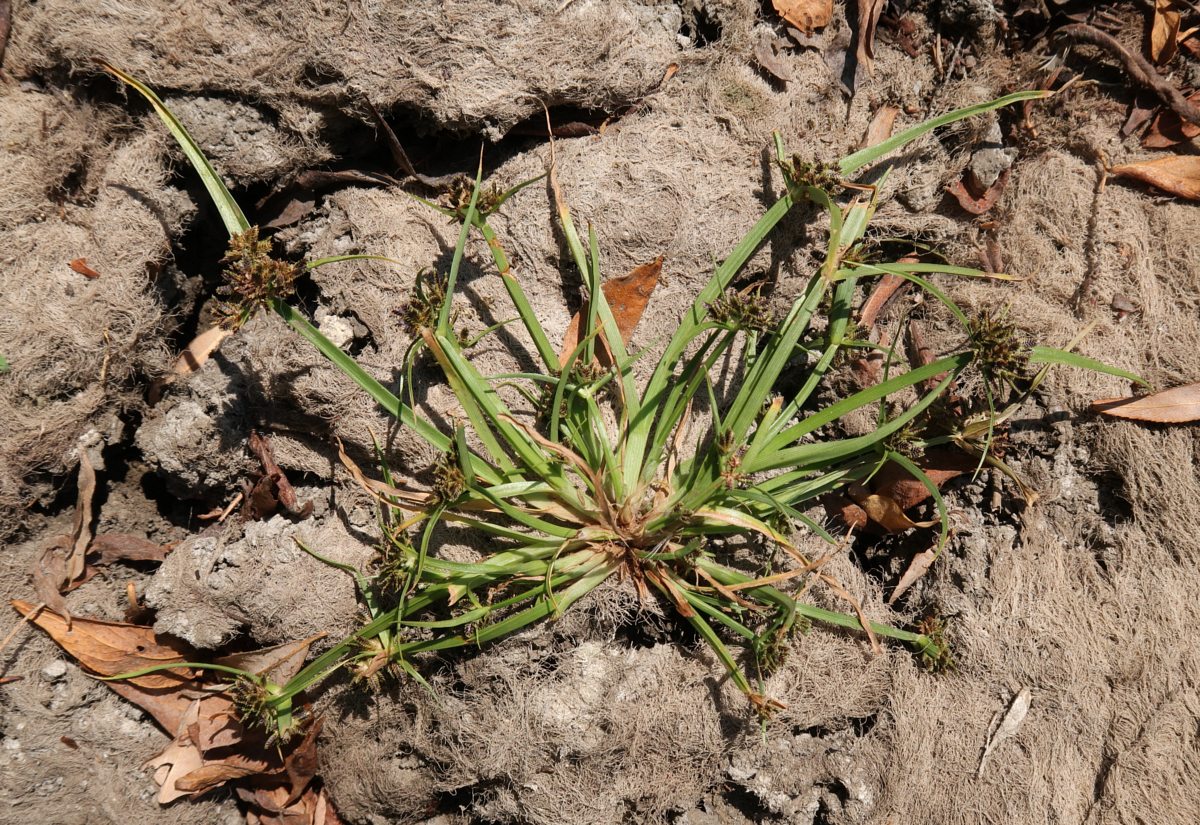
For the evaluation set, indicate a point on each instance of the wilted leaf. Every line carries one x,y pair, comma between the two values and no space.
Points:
80,265
177,760
63,561
917,568
110,648
279,663
1177,174
1164,31
883,510
301,765
1174,406
112,547
868,19
806,15
627,297
880,128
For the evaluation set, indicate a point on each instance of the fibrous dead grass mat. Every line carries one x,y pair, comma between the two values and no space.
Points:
1084,599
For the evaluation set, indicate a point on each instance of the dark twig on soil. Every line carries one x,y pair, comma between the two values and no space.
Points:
1135,66
1091,252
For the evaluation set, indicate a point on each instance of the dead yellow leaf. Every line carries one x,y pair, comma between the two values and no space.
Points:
1174,406
627,297
805,15
1164,31
1177,174
110,648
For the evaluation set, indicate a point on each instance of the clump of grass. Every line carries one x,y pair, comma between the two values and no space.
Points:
601,486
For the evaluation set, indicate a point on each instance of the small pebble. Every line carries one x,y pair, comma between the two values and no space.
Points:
55,670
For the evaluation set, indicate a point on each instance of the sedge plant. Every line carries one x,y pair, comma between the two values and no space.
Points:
605,484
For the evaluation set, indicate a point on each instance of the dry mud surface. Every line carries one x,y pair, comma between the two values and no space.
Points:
1084,598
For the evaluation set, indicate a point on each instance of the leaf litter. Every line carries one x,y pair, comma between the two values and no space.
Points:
210,745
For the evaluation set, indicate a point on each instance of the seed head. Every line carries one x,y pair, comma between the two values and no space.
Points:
252,278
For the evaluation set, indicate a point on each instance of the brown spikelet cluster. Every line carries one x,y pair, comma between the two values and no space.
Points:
421,310
252,278
800,172
1000,353
458,198
744,310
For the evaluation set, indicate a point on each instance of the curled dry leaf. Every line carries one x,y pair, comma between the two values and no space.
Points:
766,52
981,204
940,465
1174,406
884,510
279,663
111,648
627,297
1164,31
1169,129
63,561
80,265
805,15
1177,174
868,19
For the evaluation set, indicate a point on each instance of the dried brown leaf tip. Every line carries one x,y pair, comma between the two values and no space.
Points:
253,278
1179,405
1175,174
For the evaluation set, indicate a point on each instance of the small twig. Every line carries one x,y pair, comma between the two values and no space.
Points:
1091,248
1136,66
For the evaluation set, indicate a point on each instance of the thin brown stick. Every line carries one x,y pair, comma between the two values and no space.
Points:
1136,66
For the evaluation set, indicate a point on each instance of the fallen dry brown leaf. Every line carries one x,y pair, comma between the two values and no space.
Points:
806,15
1169,129
868,20
278,663
1178,405
1164,31
198,351
940,465
883,510
80,265
1176,175
627,297
880,128
113,547
273,489
110,648
917,568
